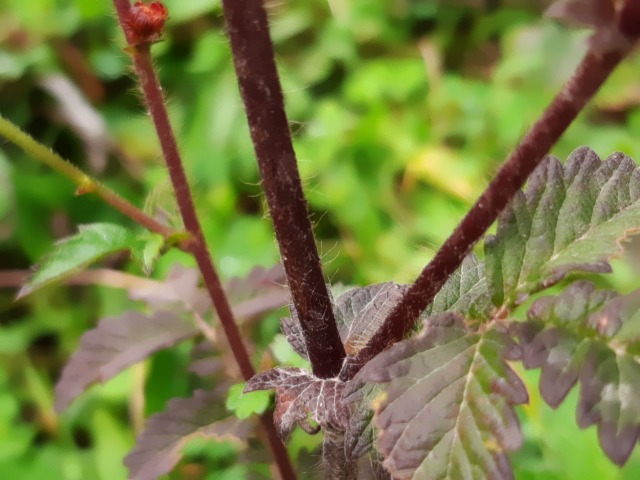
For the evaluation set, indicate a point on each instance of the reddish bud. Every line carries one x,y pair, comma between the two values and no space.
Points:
146,22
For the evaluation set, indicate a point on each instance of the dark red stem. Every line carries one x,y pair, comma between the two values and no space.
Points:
154,100
585,82
254,61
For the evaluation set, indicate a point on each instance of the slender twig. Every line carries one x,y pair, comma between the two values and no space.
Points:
86,184
564,108
154,99
254,61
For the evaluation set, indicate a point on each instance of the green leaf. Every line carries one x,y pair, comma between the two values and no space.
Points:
72,254
447,406
465,292
592,337
245,405
571,218
148,250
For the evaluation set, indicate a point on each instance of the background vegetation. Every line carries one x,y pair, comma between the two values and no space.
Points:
401,111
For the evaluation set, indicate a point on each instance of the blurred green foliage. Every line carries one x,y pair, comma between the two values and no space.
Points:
400,110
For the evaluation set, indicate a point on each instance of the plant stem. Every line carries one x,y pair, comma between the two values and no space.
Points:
253,56
86,184
564,108
154,100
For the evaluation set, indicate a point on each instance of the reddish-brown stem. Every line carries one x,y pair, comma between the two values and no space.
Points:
154,100
261,92
585,82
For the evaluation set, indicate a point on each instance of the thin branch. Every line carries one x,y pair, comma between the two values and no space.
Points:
86,184
154,99
253,56
565,107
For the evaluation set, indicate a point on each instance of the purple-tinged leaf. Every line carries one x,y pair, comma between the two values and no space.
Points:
260,291
360,312
292,330
300,394
115,344
360,433
447,410
158,449
599,15
584,13
592,337
72,254
571,218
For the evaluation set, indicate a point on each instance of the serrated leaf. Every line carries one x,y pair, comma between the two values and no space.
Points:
465,292
360,312
115,344
72,254
158,449
571,218
300,394
292,330
243,405
447,406
590,336
360,434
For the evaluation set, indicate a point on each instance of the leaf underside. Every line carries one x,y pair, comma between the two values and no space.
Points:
158,448
590,337
571,218
447,406
360,312
300,394
115,344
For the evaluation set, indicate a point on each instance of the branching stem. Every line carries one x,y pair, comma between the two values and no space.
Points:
86,184
154,100
564,108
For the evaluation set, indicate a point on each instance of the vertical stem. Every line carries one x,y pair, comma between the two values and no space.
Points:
154,101
253,56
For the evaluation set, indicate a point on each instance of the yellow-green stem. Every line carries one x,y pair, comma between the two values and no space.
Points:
86,184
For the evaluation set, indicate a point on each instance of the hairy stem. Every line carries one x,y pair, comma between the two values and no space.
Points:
335,464
253,56
86,184
154,99
564,108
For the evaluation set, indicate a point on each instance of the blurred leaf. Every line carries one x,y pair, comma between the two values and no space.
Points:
571,218
448,404
72,254
158,449
148,249
7,200
586,335
115,344
243,405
